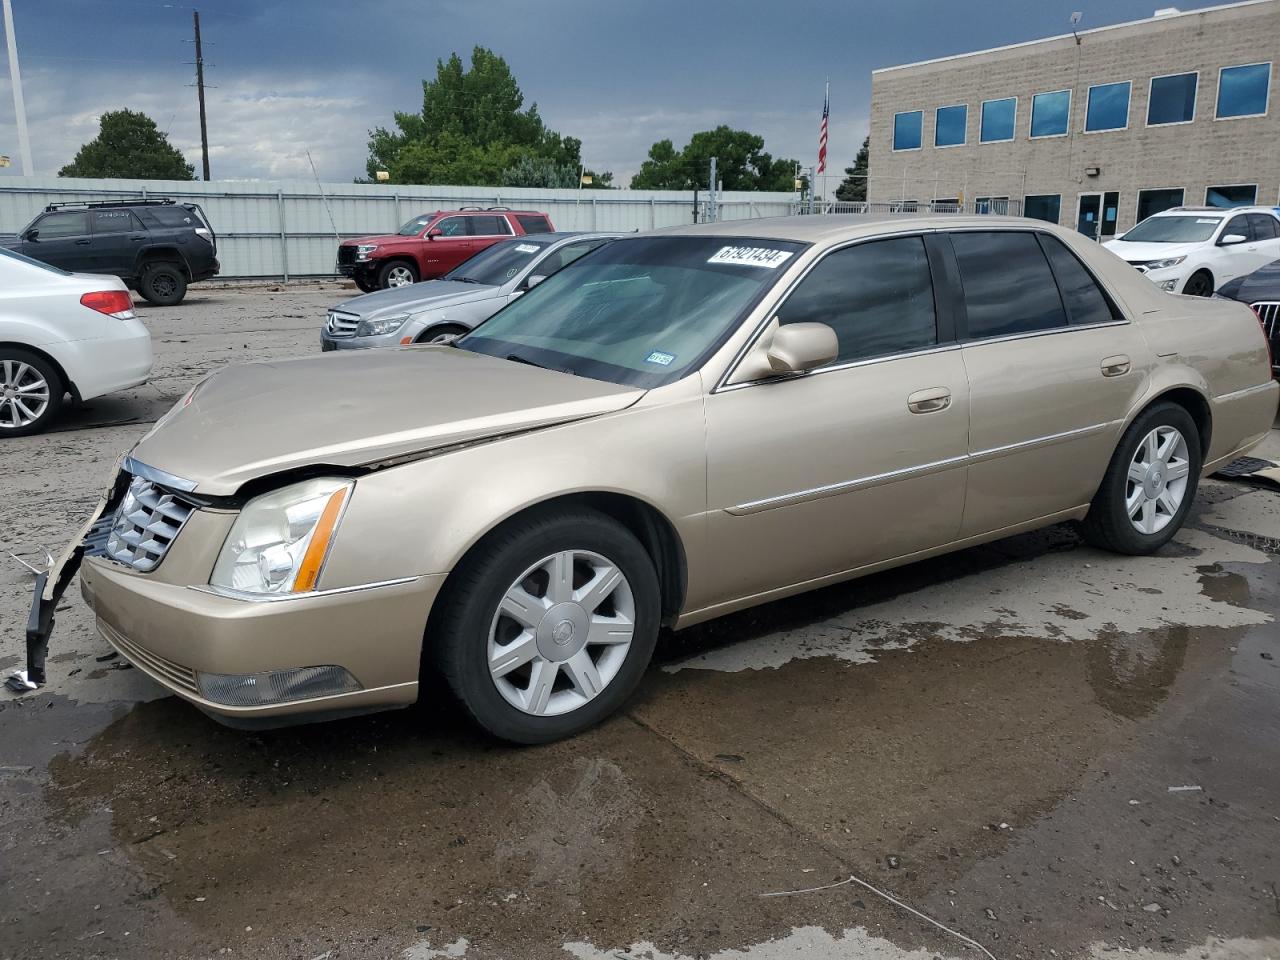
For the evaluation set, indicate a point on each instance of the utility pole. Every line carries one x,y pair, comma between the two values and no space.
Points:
204,133
15,77
712,213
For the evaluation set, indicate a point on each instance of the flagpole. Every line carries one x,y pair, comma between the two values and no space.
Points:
827,101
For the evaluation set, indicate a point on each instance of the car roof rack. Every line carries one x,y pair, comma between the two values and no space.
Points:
122,202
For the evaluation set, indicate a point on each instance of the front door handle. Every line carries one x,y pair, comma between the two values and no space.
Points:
83,243
1115,366
929,401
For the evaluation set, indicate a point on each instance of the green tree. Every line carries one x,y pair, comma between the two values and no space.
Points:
539,172
129,145
472,129
854,184
741,163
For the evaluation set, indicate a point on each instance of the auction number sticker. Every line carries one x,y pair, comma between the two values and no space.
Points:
526,248
752,257
660,358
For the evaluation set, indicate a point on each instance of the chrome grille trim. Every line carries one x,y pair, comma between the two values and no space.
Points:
1268,312
341,324
146,523
149,662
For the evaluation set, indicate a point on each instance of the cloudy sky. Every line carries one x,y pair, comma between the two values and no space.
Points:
293,75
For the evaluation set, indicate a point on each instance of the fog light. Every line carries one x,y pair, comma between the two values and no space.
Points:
1169,285
276,686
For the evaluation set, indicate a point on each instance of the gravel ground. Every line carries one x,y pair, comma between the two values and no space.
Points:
1044,748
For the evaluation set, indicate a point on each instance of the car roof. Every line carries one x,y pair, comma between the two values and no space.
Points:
1220,211
833,226
557,235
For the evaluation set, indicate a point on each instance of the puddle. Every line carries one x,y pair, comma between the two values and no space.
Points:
1223,585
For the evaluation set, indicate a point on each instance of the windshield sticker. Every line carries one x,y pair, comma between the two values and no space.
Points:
526,248
660,358
1209,220
752,257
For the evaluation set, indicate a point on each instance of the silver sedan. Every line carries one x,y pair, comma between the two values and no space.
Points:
458,301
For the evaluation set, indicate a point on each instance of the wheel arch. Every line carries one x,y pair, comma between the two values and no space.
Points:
67,383
1190,399
162,254
436,329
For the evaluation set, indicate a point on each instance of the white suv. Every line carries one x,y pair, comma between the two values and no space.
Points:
1195,250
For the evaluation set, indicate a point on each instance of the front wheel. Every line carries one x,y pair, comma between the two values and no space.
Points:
548,625
1199,284
1149,485
365,284
397,273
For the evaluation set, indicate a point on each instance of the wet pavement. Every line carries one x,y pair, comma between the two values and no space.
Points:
1049,750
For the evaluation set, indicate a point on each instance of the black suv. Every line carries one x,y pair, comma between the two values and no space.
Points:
156,246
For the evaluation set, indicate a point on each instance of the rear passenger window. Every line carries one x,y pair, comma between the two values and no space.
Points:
878,297
115,221
534,224
1085,301
1008,287
488,226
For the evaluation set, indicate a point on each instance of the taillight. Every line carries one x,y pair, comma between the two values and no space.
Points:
114,303
204,234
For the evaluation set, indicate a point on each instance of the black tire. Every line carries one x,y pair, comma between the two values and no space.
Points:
1199,284
1107,524
12,361
395,268
365,284
431,334
163,283
459,634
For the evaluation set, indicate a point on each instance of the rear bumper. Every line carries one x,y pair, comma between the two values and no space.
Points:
175,633
98,367
205,270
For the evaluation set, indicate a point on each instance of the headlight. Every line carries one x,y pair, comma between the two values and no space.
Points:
279,543
363,250
1162,264
378,328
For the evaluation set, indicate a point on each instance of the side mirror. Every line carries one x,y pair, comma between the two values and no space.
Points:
788,349
533,280
432,234
32,234
1231,239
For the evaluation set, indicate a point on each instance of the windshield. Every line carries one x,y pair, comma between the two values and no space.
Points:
415,226
1173,230
14,255
499,263
642,311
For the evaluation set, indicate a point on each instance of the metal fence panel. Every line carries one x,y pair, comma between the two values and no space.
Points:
290,228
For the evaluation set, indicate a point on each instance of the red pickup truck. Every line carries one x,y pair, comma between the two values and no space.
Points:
431,245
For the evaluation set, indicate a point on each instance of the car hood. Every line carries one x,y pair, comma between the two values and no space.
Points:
1142,252
359,408
379,239
416,297
1262,284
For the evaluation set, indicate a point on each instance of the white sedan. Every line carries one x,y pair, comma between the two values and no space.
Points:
1195,250
63,333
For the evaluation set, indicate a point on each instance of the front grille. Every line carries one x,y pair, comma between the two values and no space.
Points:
346,255
152,663
146,523
1268,312
341,324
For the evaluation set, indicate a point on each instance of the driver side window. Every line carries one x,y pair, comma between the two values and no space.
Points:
566,255
452,227
65,224
878,297
1238,225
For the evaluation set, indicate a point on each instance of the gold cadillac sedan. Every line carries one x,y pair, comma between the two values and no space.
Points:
679,425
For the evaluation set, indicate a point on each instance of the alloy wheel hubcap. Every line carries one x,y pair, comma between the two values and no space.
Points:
1156,484
561,633
24,394
399,277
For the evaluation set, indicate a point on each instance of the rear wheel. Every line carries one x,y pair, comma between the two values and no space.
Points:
548,625
1199,284
397,273
1149,485
163,283
30,393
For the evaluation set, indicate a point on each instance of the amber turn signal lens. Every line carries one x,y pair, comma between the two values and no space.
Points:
318,548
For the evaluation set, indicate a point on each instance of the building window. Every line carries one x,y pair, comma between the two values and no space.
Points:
997,120
949,125
1108,107
1243,91
1043,206
1156,201
1173,99
1050,114
906,130
1240,195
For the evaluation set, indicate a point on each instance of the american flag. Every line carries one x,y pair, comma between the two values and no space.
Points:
822,132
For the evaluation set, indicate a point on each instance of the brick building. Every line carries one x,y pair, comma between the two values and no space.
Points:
1099,129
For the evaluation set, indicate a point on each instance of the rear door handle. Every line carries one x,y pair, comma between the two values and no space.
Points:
1116,366
929,401
140,237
